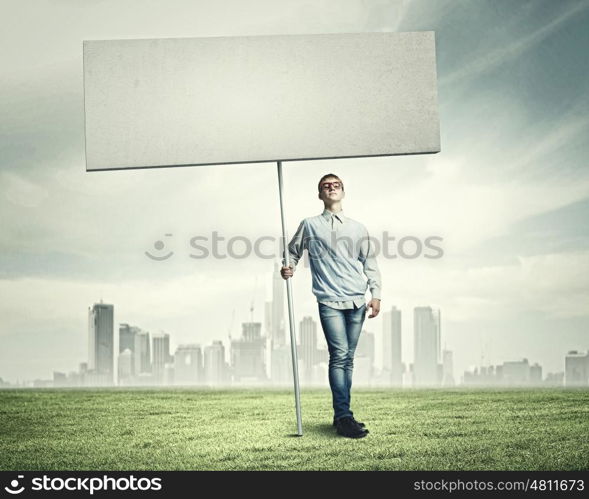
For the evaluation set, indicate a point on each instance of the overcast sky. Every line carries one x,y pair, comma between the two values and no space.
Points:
509,193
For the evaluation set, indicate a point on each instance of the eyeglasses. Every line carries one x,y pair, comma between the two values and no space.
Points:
327,185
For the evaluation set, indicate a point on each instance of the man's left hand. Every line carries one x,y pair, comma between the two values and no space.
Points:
375,305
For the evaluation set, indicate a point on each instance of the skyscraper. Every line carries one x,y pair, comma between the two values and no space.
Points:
142,357
536,374
215,367
161,355
447,368
576,368
188,365
101,342
515,373
308,347
125,363
127,342
126,337
268,319
281,365
280,361
277,317
426,325
248,354
392,362
364,358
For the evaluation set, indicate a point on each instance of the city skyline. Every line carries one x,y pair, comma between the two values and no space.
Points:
145,359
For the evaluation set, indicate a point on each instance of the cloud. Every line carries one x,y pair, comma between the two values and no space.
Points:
21,192
485,60
551,286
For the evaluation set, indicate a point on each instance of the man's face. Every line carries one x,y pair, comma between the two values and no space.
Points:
331,190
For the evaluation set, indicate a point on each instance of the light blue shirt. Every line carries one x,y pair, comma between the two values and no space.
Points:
342,259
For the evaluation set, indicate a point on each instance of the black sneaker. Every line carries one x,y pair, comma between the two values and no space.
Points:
362,425
347,427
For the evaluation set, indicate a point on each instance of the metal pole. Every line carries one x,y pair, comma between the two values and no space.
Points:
291,321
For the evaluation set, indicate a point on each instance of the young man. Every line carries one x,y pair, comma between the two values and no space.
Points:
340,253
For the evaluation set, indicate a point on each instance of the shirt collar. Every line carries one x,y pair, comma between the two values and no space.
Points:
338,216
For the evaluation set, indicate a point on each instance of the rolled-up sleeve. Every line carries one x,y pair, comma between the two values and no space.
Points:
368,258
296,246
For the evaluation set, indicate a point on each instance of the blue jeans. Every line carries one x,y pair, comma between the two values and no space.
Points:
342,330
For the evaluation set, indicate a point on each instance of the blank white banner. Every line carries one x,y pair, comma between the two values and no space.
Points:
196,101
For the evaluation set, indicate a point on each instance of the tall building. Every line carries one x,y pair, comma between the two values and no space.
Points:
59,379
125,366
101,342
364,358
392,362
366,346
516,372
576,368
215,368
127,337
268,320
142,353
281,366
536,374
427,336
161,355
188,365
248,354
447,368
280,361
277,321
307,353
169,373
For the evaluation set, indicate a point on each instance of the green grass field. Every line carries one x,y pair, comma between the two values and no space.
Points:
145,429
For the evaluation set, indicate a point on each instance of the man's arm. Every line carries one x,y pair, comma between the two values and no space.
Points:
368,258
295,247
